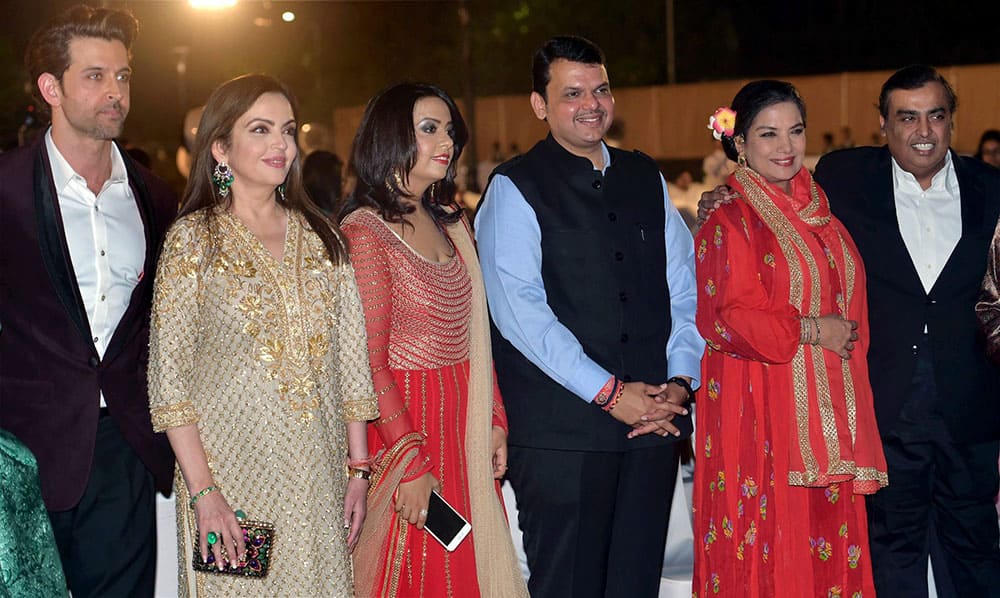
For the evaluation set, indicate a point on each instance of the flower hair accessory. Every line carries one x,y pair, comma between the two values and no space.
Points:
722,122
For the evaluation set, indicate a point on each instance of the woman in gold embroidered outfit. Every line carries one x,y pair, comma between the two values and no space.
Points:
257,367
442,423
787,440
988,306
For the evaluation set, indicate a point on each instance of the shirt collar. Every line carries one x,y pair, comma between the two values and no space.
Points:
607,157
943,181
63,173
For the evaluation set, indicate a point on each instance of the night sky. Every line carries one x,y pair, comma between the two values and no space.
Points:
340,53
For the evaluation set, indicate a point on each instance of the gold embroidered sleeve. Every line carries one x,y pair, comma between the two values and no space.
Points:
173,416
173,331
988,307
354,375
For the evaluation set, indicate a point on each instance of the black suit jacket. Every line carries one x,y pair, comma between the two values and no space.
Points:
51,375
858,183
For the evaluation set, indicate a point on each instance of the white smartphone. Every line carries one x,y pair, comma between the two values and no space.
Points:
445,524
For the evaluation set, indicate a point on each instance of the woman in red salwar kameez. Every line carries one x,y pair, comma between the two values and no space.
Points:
786,433
442,424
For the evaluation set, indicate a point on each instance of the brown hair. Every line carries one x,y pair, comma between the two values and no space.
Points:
48,49
225,106
385,147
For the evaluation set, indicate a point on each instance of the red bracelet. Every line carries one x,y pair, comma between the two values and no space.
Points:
619,391
607,391
359,463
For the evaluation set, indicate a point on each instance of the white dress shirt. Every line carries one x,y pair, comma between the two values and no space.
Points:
106,239
930,220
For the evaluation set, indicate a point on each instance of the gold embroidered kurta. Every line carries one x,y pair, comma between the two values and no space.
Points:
269,359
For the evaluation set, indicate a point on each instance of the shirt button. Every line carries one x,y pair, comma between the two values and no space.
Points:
102,252
103,297
624,338
612,216
95,339
623,296
598,184
619,256
93,362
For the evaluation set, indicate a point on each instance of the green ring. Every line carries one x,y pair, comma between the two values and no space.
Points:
212,538
240,514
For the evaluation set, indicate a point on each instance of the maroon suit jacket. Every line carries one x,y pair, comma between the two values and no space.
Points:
50,372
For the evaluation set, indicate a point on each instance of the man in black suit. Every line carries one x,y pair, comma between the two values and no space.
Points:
923,217
80,228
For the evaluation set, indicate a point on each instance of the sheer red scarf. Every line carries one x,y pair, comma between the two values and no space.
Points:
834,436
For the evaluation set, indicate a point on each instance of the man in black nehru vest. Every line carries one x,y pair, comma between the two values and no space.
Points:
589,271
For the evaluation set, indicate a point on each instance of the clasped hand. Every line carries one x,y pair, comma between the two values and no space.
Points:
650,409
837,334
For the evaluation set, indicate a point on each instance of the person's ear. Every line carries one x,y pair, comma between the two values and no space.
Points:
50,89
219,151
539,106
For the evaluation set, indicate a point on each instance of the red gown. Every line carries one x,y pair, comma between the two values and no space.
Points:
417,315
786,437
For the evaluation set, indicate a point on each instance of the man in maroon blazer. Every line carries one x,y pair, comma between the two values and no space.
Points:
80,229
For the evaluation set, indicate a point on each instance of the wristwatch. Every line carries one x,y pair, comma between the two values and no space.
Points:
361,474
683,384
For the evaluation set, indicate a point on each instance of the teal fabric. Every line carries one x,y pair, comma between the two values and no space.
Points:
29,560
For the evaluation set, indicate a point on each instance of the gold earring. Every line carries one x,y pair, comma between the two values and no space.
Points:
741,160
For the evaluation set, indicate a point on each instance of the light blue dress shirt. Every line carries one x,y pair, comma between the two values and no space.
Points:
510,251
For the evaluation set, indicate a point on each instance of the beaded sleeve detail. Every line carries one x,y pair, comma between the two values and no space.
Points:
420,327
173,416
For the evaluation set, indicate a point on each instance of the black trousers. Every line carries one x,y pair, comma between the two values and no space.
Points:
107,542
939,502
594,523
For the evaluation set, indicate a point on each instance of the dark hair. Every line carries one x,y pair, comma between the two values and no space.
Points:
914,76
563,47
48,49
385,149
750,100
323,176
225,106
988,135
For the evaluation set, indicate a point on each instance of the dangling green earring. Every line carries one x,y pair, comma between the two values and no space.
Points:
223,177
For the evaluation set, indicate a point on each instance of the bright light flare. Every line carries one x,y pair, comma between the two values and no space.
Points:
212,4
288,16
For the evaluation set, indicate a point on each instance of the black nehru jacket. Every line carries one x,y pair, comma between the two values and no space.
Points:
604,271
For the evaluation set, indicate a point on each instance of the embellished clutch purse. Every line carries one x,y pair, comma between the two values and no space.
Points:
258,537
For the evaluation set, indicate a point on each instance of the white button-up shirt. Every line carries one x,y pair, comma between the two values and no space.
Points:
930,220
106,239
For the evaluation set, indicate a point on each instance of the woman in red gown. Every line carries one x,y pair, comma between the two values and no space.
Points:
786,433
442,424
